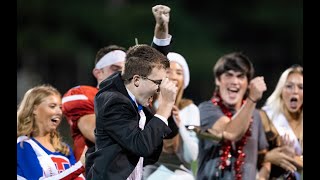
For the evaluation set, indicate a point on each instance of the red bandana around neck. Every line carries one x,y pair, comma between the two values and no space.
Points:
225,152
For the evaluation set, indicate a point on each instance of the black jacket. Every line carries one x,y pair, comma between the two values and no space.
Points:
119,140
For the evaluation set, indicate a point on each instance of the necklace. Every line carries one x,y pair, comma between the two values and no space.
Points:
296,125
225,152
294,121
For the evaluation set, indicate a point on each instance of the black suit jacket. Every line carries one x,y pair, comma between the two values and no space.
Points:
119,140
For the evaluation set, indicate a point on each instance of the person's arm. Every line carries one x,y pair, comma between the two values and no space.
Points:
167,97
86,125
190,144
122,127
118,118
162,38
233,129
162,16
290,150
298,162
189,140
174,128
78,107
285,141
281,157
264,172
263,146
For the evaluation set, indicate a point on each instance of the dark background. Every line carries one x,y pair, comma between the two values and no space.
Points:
57,40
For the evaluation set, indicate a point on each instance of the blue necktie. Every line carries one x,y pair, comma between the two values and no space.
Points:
140,107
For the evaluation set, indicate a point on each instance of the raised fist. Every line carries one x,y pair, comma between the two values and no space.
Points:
161,14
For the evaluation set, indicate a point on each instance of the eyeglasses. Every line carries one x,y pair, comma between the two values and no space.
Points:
157,82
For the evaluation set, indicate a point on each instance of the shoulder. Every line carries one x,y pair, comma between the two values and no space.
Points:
111,95
185,102
210,112
113,99
263,112
265,121
268,110
23,145
206,105
81,90
79,94
24,148
190,108
263,115
79,101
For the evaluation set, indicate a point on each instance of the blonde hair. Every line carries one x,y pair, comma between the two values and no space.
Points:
275,101
26,125
182,102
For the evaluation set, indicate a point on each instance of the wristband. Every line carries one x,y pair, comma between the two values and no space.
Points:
254,101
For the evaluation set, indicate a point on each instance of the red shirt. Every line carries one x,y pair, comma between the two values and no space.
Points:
77,102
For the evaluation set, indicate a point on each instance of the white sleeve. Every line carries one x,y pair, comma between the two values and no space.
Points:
162,42
190,115
162,118
20,178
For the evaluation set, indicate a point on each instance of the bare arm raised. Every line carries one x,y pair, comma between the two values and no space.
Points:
162,15
234,128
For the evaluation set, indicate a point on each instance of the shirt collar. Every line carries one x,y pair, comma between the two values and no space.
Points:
133,99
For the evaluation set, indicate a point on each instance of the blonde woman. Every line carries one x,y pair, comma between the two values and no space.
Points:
283,124
40,152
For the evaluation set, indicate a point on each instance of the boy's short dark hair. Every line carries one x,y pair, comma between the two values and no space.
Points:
141,59
234,61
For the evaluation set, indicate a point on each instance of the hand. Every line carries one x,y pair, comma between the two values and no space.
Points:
299,162
288,148
289,151
286,141
168,93
175,114
256,88
161,14
279,157
83,156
